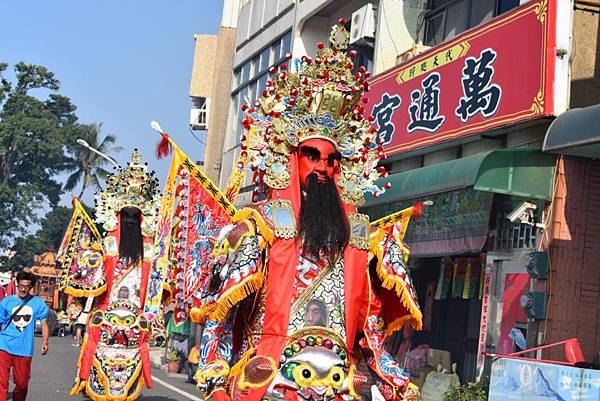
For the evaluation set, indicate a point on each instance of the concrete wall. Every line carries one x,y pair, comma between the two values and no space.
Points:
220,99
203,66
396,30
315,19
585,66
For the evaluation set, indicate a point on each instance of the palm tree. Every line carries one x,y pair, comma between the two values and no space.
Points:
87,166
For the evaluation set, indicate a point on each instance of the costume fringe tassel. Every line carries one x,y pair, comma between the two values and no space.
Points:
233,296
237,369
237,294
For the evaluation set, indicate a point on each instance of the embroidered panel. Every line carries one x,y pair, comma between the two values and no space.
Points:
320,297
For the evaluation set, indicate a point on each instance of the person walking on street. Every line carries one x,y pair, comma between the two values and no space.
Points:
18,314
80,328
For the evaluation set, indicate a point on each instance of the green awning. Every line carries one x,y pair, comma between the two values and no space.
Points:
527,173
575,133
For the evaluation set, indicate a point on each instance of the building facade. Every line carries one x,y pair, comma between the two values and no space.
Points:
507,249
210,84
499,195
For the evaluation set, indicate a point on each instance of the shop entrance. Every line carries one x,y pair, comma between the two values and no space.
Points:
451,311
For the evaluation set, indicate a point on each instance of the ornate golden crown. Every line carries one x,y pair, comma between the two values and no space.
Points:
323,99
132,186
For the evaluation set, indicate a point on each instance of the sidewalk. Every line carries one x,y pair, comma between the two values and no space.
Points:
159,370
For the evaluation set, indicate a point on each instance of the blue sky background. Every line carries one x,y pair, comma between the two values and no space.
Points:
122,62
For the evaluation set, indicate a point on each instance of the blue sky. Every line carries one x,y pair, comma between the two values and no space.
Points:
122,63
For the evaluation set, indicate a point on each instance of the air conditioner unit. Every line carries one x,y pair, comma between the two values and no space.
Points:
362,27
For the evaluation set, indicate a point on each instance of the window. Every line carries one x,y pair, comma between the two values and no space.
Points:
250,80
275,50
449,18
262,83
506,5
286,44
237,77
245,73
265,59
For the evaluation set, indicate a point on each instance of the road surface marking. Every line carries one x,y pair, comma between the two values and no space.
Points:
170,387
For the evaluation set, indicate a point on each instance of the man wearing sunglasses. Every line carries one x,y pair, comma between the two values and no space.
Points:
18,314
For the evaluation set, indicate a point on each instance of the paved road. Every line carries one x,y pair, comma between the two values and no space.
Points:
52,376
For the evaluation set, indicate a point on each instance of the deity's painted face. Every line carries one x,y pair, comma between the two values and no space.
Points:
317,156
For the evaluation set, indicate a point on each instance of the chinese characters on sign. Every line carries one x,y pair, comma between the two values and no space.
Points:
424,107
485,313
480,95
486,78
383,113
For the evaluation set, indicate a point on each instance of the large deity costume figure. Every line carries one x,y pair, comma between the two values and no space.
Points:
114,361
301,287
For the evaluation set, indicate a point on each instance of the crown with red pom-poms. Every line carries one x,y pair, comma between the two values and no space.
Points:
324,99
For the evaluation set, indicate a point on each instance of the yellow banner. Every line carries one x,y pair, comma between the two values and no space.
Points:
433,62
162,243
79,217
403,217
206,183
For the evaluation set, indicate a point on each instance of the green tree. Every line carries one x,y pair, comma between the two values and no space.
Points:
47,237
35,135
88,167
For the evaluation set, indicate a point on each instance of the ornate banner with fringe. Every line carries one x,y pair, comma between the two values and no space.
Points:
81,238
193,212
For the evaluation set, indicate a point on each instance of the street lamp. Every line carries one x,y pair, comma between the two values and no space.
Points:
87,145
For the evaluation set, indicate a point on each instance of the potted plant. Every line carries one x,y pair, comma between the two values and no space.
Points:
468,392
173,359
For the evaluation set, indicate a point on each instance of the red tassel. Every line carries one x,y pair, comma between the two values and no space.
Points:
163,148
417,210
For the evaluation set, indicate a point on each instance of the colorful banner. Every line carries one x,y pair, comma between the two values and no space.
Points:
459,277
80,228
80,233
498,74
162,244
193,211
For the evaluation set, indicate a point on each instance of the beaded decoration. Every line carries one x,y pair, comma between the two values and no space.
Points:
324,99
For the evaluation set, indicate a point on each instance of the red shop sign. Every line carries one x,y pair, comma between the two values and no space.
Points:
498,74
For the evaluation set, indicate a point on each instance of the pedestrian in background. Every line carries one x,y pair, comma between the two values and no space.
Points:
18,314
80,328
11,287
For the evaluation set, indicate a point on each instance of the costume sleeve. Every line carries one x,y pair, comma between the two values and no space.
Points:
215,355
234,273
392,380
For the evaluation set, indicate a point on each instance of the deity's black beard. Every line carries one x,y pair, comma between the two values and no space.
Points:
131,242
323,224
